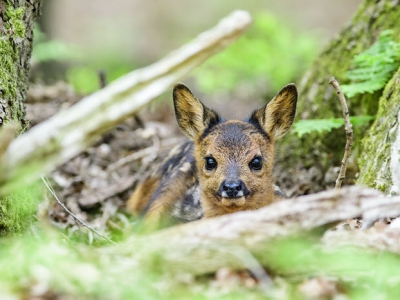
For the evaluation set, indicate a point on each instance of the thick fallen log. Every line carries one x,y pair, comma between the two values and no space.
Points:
159,261
69,132
380,237
241,240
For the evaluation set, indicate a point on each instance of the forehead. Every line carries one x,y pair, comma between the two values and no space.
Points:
234,135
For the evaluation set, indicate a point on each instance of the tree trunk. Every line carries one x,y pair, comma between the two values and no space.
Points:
317,99
379,161
16,30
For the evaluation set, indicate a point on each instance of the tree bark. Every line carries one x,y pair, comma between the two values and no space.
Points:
379,161
16,40
16,30
317,100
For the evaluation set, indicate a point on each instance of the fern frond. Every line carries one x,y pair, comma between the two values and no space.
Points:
302,127
373,67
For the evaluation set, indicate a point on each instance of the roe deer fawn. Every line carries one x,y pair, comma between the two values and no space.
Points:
225,168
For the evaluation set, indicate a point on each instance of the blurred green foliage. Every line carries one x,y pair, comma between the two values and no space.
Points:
85,77
51,265
270,51
47,50
82,68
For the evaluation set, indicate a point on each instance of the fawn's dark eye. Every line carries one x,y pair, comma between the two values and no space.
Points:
211,163
256,164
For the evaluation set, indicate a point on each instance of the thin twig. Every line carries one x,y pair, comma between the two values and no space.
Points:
49,187
349,132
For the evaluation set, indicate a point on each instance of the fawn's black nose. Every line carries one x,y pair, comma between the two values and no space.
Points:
232,189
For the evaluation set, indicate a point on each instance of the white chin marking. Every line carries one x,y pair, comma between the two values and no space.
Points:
225,194
239,201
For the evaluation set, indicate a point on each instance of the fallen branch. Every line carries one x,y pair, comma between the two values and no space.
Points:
70,131
203,246
349,132
386,239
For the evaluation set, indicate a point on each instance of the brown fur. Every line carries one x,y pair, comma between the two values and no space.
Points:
234,144
242,151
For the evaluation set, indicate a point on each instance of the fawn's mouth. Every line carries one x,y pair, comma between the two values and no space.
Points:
237,201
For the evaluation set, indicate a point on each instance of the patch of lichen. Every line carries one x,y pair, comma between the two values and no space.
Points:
375,159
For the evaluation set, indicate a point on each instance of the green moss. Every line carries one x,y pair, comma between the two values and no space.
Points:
9,73
382,187
17,210
15,21
375,159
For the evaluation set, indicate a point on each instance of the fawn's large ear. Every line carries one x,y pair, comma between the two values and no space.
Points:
277,116
192,116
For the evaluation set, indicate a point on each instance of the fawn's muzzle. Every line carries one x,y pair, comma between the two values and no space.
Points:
232,189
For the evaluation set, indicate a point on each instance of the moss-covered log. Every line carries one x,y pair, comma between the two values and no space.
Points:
317,99
16,39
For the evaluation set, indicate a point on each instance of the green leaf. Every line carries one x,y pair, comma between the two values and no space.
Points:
361,120
373,67
317,125
302,127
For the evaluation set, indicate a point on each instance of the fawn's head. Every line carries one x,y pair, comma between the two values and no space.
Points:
234,158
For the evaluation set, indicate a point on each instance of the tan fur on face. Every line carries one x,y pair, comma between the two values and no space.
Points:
234,144
277,116
192,116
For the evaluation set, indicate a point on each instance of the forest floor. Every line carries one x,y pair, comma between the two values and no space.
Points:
96,184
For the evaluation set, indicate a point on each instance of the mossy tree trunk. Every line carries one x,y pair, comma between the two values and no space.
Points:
379,161
317,99
16,39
